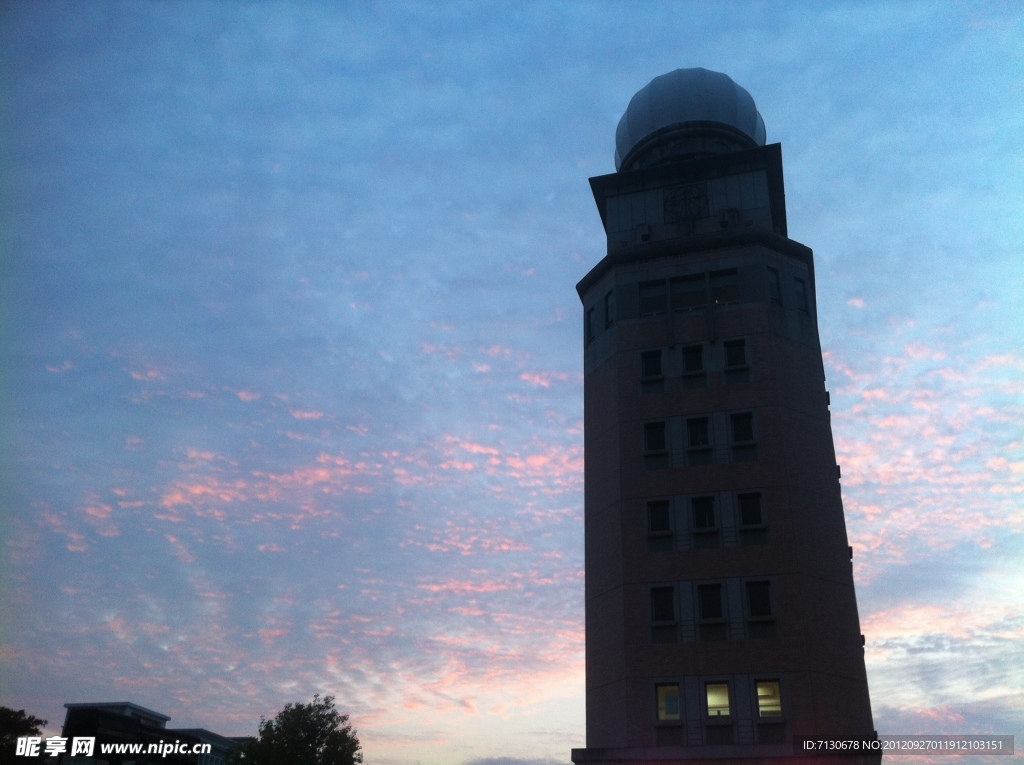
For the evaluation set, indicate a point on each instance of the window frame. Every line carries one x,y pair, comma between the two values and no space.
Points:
760,626
661,713
648,354
738,342
692,304
778,717
656,450
730,287
734,417
660,540
706,699
803,299
774,286
663,630
653,284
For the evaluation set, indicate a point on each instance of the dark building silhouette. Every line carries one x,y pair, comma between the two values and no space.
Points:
126,724
721,618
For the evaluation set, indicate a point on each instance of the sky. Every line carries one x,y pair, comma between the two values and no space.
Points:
292,357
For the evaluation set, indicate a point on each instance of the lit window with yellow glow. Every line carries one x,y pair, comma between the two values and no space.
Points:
769,698
718,699
668,703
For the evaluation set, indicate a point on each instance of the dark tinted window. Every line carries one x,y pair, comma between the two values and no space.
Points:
697,431
663,604
774,288
801,295
689,292
703,512
658,517
750,509
653,298
743,427
650,364
759,598
735,353
654,436
725,286
693,358
709,600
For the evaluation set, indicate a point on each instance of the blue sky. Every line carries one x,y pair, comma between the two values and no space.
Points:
292,357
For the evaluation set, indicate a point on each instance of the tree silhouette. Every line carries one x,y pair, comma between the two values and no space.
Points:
304,734
14,725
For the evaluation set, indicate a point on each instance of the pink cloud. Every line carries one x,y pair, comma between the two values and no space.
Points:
306,414
543,379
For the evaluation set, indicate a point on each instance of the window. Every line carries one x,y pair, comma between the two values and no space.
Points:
736,369
589,328
760,621
699,441
735,353
663,604
769,698
654,437
711,624
668,702
663,614
653,298
693,359
704,513
689,292
650,364
697,432
725,287
750,509
717,699
693,367
709,601
609,308
743,447
801,296
705,528
752,529
742,427
774,286
659,526
655,445
759,599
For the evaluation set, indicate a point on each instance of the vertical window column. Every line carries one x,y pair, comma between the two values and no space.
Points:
659,526
752,527
705,527
652,378
760,614
663,615
718,728
669,708
744,447
737,370
656,445
711,623
698,437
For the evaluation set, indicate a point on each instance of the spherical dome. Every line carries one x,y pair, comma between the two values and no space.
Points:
683,114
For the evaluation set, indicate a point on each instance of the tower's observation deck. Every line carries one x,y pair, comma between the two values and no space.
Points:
720,610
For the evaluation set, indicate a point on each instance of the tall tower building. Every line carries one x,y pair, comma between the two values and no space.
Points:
721,618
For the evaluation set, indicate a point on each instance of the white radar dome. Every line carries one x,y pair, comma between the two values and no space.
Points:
685,114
